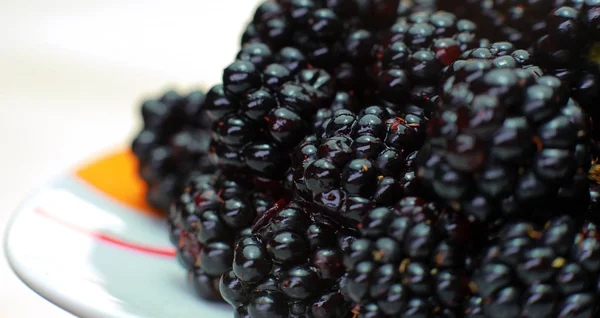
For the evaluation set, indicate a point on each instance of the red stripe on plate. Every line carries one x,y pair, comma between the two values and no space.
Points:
109,239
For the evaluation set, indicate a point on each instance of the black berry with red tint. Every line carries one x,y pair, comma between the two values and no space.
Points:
206,220
415,51
261,110
289,266
411,256
359,160
173,143
510,142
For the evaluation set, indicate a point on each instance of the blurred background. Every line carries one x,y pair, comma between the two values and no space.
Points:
71,75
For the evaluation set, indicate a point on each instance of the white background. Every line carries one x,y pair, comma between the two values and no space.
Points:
71,75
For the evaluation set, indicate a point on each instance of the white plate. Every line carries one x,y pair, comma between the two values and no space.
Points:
97,257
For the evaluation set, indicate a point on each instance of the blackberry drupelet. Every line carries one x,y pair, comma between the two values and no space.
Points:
359,161
507,142
173,143
410,259
209,216
289,266
531,271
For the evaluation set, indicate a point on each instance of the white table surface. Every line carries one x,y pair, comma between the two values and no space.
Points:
71,74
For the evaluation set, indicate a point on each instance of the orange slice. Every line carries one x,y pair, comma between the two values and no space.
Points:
116,176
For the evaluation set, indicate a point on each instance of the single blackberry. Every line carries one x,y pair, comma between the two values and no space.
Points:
359,160
559,33
416,49
411,257
321,30
540,272
206,220
289,266
261,114
507,142
173,143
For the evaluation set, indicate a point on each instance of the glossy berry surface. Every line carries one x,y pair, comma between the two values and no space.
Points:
521,22
173,142
290,265
511,143
390,158
410,255
359,160
259,116
206,220
540,272
415,50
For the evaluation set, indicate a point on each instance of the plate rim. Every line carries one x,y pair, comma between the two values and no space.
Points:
57,301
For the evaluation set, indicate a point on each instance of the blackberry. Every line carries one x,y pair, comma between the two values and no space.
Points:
410,257
173,143
261,114
320,29
289,266
521,22
359,160
507,141
416,49
530,271
206,220
559,33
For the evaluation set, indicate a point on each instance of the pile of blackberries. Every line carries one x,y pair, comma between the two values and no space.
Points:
391,158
